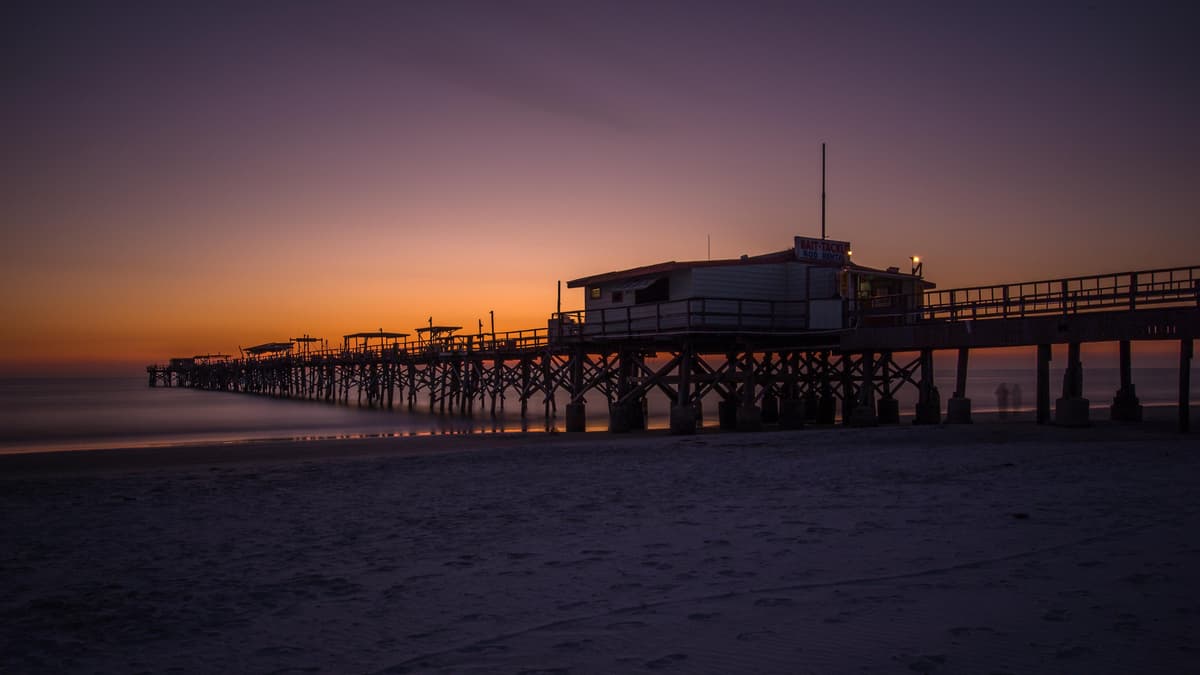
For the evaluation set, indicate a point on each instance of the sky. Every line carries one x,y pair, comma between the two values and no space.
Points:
187,178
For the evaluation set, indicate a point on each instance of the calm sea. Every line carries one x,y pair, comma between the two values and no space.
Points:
96,413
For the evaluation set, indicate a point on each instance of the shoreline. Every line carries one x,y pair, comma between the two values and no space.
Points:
986,427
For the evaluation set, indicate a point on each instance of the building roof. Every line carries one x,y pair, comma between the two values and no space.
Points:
639,277
375,334
268,348
659,269
888,273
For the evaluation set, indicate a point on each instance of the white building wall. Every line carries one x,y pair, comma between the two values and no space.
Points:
823,282
681,285
797,281
747,282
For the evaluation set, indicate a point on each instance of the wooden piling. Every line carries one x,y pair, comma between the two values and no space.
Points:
1185,385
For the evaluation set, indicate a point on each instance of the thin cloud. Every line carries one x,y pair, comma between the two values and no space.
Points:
529,88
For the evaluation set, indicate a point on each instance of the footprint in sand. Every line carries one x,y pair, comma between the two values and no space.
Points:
754,636
572,645
666,661
1127,623
924,664
484,649
469,618
1073,652
774,602
1056,615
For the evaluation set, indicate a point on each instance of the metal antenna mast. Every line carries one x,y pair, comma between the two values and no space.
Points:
822,190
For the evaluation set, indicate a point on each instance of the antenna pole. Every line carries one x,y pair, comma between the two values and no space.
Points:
822,190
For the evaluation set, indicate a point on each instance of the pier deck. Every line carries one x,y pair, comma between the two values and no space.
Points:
759,357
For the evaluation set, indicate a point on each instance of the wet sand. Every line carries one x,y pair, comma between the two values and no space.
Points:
990,548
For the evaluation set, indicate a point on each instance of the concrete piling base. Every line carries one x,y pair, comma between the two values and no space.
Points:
749,418
863,416
1126,407
958,410
683,420
811,403
1071,412
791,413
727,415
770,408
888,411
929,411
826,410
619,418
637,415
576,417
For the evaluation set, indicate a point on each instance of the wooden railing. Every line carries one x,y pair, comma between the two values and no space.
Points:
683,316
1178,286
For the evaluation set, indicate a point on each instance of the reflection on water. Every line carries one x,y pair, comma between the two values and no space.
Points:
81,414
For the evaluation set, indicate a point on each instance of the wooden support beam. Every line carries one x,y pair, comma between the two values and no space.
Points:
1043,383
1185,384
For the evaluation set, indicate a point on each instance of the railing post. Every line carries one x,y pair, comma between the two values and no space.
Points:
953,310
1133,283
1063,285
1005,311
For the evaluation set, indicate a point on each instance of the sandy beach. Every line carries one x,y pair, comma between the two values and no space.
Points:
989,548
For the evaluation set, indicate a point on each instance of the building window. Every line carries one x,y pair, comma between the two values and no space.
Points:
595,292
618,296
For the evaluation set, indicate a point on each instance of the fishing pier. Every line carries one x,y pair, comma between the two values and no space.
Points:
800,336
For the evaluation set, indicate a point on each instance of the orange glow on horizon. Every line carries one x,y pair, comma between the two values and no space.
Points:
378,166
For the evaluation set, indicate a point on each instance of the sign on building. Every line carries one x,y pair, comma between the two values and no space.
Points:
822,250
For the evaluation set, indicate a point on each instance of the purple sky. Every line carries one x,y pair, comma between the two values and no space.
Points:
182,179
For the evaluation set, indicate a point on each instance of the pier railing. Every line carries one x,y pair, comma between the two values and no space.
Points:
683,316
1178,286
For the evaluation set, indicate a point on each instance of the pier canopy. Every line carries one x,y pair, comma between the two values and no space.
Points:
363,340
435,332
267,348
811,286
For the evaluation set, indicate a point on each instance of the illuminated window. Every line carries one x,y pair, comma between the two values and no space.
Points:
595,292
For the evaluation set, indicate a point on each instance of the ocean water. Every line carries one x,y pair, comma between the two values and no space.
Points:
95,413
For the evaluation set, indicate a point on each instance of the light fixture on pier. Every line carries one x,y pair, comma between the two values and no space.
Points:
917,265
